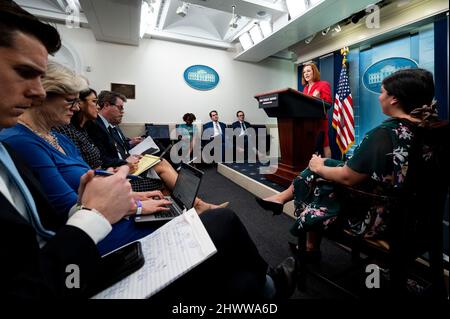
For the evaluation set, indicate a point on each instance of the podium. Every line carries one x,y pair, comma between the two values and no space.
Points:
299,119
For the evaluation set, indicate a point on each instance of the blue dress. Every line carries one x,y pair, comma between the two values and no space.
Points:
59,175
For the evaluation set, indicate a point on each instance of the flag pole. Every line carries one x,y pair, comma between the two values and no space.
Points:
344,52
343,120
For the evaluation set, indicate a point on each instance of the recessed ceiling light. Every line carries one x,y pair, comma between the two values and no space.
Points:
261,13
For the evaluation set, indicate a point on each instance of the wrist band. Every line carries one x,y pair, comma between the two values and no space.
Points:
139,207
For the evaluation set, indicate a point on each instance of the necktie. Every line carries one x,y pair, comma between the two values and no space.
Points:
218,127
118,142
243,126
7,162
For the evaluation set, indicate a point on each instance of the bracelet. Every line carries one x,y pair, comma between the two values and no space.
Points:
139,207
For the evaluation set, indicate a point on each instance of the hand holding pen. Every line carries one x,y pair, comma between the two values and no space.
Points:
100,172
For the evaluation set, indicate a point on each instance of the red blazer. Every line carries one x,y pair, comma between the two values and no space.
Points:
324,89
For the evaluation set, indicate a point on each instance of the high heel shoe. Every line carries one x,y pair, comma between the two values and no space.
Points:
276,208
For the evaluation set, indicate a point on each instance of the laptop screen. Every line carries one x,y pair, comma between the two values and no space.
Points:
187,185
158,131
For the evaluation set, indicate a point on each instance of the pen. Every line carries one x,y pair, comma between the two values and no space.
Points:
100,172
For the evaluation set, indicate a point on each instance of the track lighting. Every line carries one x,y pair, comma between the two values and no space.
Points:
337,28
308,40
325,31
234,18
183,9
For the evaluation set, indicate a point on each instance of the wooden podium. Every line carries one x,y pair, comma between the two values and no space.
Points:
299,119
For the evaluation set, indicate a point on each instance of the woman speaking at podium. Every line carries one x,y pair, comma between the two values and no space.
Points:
321,89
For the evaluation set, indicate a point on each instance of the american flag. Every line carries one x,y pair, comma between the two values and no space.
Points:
343,113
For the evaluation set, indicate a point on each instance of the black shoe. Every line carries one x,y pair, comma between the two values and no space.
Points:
284,277
309,256
276,208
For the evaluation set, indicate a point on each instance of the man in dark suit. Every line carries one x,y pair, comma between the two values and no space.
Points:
106,134
242,134
40,262
27,270
241,123
212,131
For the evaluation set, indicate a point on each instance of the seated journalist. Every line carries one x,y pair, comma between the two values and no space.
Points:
35,258
379,164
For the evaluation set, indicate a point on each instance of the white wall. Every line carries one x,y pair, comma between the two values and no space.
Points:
156,68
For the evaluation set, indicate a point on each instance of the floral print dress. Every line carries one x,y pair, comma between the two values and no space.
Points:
382,155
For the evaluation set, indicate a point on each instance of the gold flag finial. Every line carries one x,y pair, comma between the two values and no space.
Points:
344,52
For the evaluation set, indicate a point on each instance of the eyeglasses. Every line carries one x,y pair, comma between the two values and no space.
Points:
73,102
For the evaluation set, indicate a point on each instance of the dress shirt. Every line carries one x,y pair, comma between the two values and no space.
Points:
243,128
15,190
217,129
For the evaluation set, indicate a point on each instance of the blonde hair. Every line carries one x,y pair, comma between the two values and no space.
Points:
59,79
316,72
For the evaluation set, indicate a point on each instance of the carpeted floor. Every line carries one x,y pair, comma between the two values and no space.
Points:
271,233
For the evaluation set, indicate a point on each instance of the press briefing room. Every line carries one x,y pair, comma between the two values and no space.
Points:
221,157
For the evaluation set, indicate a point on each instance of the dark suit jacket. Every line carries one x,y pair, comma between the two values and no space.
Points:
103,140
210,126
237,124
26,271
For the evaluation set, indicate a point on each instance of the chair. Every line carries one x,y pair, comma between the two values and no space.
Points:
416,218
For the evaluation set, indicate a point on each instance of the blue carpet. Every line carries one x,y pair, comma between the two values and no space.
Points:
252,170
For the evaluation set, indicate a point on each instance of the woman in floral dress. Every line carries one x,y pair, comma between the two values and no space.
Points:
378,165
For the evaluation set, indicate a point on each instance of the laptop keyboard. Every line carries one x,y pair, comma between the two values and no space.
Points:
170,213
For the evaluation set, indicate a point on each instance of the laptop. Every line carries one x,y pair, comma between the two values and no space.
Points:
183,196
158,132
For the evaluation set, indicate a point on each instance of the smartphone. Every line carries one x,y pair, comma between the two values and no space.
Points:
117,265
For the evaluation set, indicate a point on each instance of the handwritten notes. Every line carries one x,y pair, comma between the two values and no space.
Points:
145,163
169,252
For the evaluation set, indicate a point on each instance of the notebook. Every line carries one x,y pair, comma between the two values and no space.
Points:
169,252
145,163
183,196
147,146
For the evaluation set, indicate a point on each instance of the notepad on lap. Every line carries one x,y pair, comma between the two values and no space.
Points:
169,252
147,146
146,162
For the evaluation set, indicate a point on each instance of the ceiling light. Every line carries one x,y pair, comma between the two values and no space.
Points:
233,22
145,18
308,40
357,16
234,18
256,33
183,9
325,31
266,27
296,7
245,40
261,14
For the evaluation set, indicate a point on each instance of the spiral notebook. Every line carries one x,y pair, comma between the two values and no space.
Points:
169,252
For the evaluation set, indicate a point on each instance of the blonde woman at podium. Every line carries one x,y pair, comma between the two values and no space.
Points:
321,89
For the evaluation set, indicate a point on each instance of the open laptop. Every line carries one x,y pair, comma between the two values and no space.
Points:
183,195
